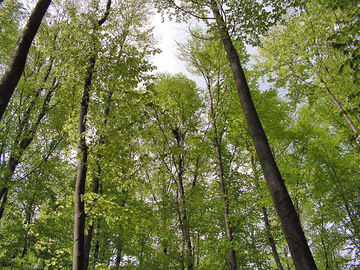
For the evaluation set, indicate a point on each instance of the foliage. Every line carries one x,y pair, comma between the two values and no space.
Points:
152,146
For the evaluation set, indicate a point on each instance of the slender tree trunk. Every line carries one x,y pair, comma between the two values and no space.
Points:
271,239
325,252
224,195
96,185
198,251
341,110
97,246
294,234
3,199
87,244
80,251
79,213
183,214
186,228
88,237
118,258
27,132
266,219
13,73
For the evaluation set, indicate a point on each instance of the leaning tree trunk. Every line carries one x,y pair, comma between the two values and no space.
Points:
300,251
13,73
27,131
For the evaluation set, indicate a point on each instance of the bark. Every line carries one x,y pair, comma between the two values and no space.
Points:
29,214
97,246
118,258
3,198
13,73
183,214
96,186
325,254
294,234
198,251
80,251
266,220
224,195
79,213
271,239
342,111
88,237
23,139
87,245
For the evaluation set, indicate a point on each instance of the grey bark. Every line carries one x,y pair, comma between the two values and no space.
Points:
17,63
79,208
266,220
80,251
25,135
300,251
184,221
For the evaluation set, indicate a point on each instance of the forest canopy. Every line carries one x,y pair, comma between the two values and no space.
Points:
106,163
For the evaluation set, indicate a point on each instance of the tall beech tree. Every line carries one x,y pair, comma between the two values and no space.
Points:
206,60
177,118
17,63
79,259
313,68
294,233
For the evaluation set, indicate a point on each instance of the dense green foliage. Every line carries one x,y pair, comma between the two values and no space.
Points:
151,143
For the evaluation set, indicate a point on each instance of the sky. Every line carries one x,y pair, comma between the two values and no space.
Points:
168,33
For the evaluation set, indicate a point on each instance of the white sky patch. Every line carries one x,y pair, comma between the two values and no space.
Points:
168,34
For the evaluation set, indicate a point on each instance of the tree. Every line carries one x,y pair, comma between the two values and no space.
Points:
312,66
177,122
299,248
197,55
173,179
16,66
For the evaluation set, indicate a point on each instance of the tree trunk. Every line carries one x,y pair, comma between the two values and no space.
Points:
325,251
13,73
79,213
26,131
294,234
186,225
266,219
271,239
80,251
183,215
224,194
3,199
88,237
96,184
118,258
